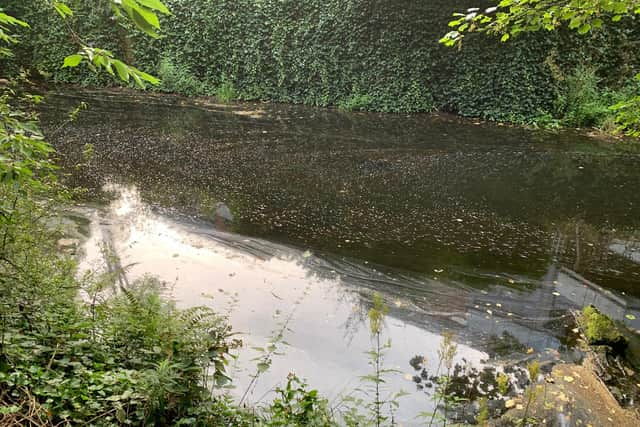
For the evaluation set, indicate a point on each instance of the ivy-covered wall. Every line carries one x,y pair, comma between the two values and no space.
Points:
375,54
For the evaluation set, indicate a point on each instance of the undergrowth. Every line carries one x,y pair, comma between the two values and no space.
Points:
356,102
226,92
583,101
177,78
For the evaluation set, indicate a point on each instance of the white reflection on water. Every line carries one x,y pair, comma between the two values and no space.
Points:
204,266
330,297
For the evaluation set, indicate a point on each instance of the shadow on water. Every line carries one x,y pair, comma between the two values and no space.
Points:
415,192
491,232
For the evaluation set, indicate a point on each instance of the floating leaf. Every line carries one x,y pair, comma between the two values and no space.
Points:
630,316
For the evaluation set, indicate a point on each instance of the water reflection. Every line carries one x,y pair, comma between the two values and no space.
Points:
493,233
506,319
415,193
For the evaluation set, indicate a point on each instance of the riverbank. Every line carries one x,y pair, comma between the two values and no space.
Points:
380,56
254,109
571,395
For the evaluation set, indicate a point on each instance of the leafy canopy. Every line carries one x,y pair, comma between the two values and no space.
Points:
142,13
512,17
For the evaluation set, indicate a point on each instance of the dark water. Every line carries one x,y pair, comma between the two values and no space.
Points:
490,231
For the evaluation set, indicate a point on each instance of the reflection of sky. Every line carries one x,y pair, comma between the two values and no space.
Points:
628,249
326,345
206,266
583,292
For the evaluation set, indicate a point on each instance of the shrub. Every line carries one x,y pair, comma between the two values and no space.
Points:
582,102
297,406
627,109
177,78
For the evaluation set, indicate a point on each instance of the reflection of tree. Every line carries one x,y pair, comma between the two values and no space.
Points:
504,345
414,193
587,250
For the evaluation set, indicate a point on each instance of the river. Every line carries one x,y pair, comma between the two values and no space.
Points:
289,218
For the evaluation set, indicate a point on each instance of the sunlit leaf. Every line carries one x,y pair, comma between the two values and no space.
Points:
72,61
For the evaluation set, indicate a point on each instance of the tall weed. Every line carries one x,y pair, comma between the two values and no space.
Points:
176,77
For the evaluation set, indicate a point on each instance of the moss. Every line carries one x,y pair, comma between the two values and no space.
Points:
600,329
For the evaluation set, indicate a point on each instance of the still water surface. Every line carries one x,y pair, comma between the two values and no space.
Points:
272,212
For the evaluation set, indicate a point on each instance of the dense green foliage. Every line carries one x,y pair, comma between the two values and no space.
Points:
514,17
357,54
98,350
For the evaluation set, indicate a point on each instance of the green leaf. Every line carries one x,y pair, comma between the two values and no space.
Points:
10,20
143,18
630,316
138,80
122,70
72,61
148,77
62,9
142,24
575,22
505,37
584,29
155,5
150,17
